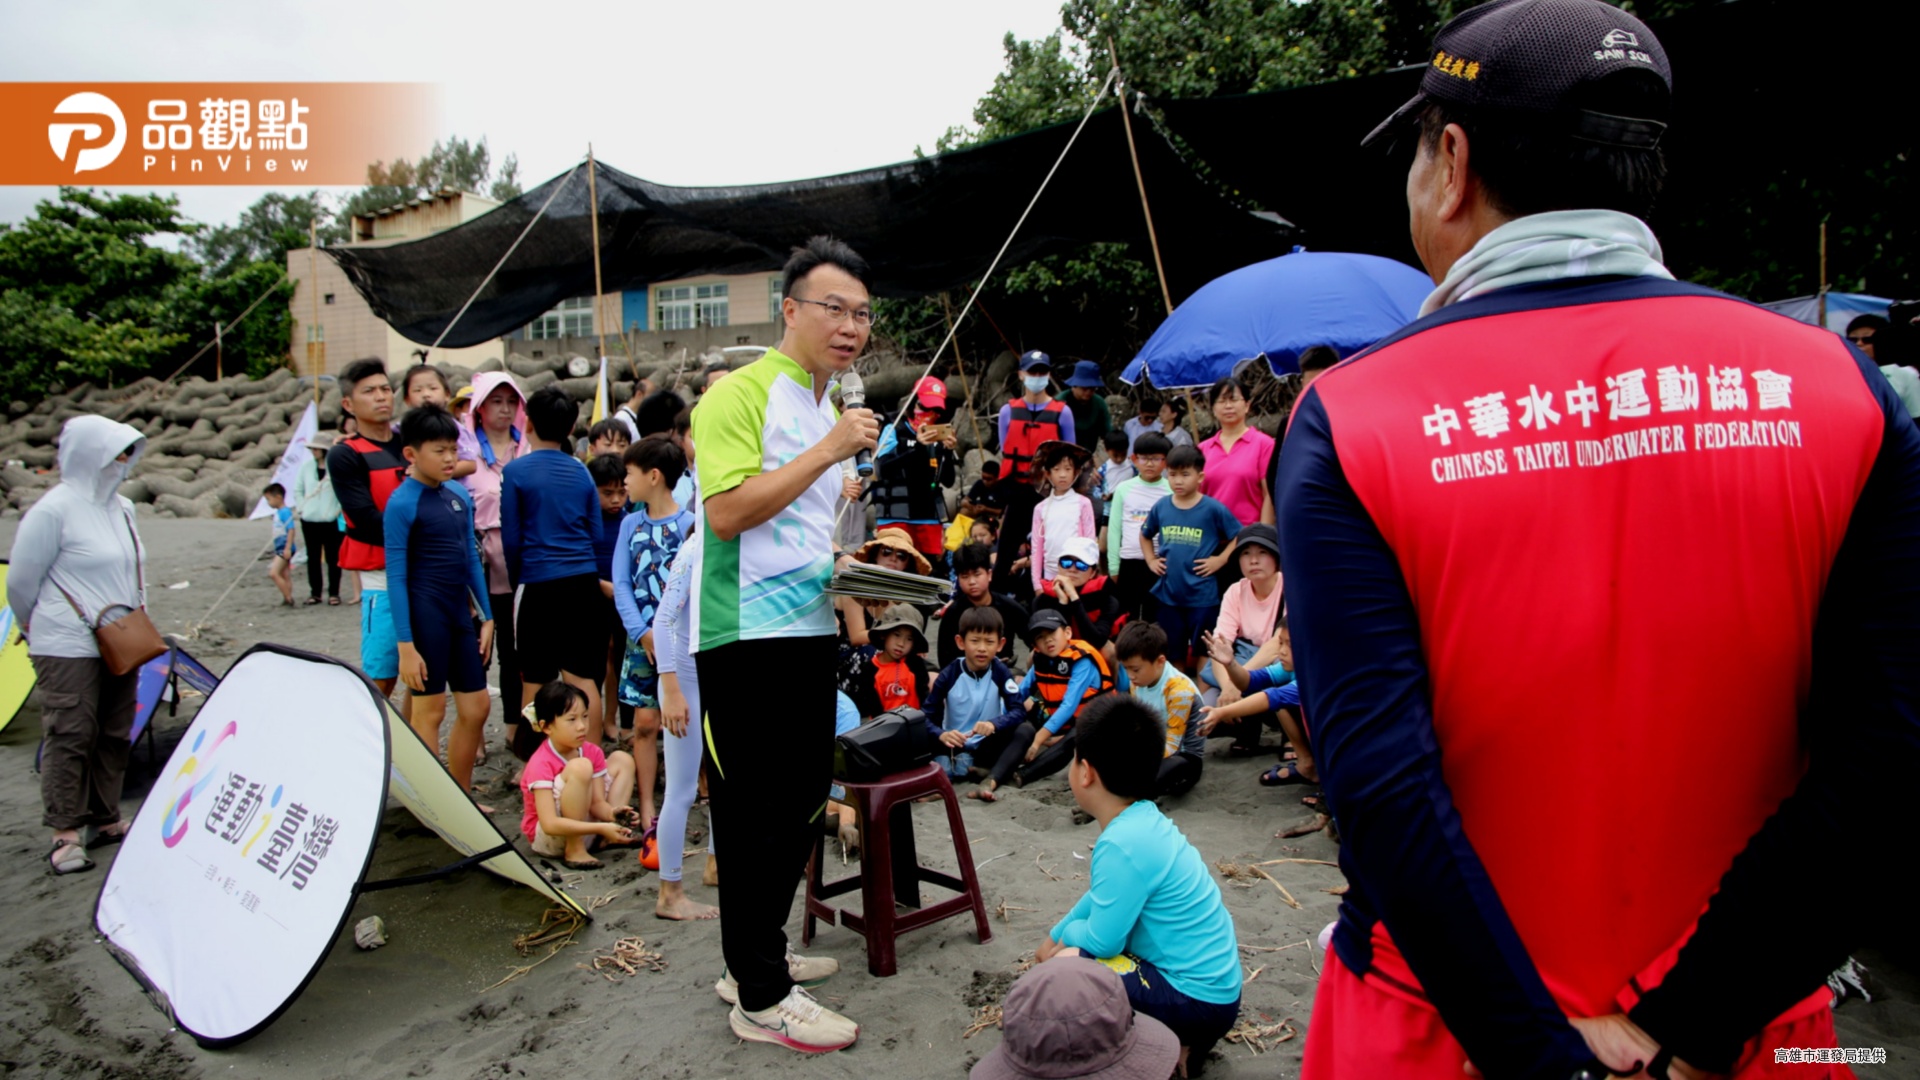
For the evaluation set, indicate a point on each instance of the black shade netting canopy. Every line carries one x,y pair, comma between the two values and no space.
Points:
924,225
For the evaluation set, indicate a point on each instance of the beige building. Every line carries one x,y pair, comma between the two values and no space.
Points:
663,319
323,298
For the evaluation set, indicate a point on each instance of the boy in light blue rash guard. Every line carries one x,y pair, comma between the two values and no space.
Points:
1152,911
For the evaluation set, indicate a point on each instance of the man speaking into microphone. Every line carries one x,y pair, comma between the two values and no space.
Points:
763,631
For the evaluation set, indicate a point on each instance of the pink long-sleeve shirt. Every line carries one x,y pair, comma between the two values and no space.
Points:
1056,520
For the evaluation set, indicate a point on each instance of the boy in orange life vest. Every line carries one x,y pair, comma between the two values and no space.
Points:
1066,674
895,676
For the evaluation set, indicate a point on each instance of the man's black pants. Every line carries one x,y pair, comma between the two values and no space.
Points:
769,708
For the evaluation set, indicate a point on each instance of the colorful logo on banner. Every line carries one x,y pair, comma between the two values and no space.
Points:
190,781
209,133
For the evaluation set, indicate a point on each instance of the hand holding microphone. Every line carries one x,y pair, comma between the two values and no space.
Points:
858,432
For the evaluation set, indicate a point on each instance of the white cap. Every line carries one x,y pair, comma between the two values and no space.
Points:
1082,548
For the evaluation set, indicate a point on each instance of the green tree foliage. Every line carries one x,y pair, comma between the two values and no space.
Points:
89,293
266,231
1104,300
455,164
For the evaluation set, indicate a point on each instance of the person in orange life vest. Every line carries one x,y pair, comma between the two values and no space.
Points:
1084,595
1518,899
896,675
1025,422
1066,674
367,467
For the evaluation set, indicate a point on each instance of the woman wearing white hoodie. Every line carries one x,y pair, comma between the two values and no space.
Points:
76,556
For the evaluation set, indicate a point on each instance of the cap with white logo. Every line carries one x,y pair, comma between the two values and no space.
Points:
1547,59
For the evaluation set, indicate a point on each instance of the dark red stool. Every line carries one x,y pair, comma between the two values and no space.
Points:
890,870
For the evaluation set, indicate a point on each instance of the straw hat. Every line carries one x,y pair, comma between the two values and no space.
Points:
896,538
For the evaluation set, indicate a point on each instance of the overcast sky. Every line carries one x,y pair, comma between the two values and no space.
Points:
665,91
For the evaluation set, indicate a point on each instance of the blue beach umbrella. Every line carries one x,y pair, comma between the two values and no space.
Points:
1277,309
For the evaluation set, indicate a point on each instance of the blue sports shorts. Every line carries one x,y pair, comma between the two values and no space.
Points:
379,646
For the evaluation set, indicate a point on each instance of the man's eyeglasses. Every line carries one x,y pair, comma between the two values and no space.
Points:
1068,562
839,313
1860,339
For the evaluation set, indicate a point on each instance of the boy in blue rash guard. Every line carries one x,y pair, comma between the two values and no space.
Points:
1152,911
644,551
434,584
976,698
549,526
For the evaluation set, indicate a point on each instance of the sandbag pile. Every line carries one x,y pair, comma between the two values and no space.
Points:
212,445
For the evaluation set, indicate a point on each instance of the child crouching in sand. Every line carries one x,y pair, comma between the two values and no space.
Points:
575,794
1152,911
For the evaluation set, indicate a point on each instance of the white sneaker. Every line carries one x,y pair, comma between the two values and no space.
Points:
797,1023
808,971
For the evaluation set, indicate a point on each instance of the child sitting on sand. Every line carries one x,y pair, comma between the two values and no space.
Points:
976,697
1270,689
1160,686
1152,911
1067,673
281,569
895,676
574,793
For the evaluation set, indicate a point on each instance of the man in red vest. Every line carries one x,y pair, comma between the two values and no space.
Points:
366,467
1605,597
1027,421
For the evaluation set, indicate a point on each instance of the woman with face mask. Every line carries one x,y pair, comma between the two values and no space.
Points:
1033,418
76,563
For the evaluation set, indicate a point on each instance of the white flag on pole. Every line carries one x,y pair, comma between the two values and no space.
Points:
296,455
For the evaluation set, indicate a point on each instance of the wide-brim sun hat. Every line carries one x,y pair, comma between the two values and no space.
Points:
1086,373
1069,1019
898,540
1082,456
895,617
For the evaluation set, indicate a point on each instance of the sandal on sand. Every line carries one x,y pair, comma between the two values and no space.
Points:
333,601
99,838
1244,750
983,795
313,601
1284,773
583,864
67,857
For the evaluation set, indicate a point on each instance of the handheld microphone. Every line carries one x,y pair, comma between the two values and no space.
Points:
853,395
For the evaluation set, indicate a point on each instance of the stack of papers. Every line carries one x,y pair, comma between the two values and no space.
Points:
869,582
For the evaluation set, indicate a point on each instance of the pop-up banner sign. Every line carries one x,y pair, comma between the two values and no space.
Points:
241,868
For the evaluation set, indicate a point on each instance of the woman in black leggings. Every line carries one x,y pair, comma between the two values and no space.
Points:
319,513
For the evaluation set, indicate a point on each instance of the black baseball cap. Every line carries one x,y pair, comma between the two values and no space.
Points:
1543,58
1044,619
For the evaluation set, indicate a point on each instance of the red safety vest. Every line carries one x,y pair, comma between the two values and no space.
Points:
385,473
1027,428
1051,674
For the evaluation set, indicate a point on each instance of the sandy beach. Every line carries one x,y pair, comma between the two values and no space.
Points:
423,1006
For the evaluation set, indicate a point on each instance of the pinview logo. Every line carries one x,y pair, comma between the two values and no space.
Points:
96,148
